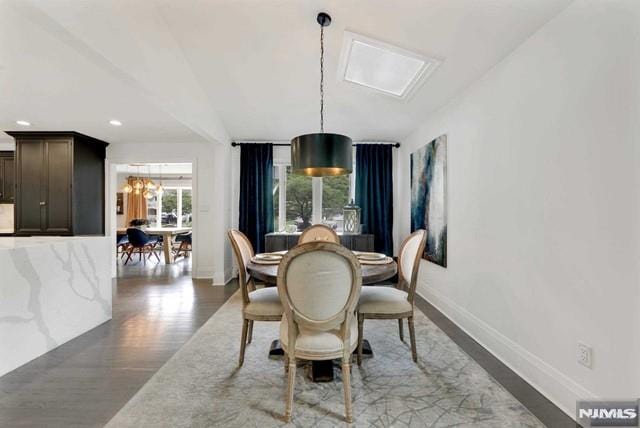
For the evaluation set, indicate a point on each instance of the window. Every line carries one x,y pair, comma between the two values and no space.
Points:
299,197
152,210
300,201
169,208
172,208
335,195
187,212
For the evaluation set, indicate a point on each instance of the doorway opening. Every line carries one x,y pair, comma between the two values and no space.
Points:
154,219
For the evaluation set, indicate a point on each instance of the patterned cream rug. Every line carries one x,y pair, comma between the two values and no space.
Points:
201,385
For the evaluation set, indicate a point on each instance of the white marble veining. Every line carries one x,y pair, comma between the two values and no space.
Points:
52,289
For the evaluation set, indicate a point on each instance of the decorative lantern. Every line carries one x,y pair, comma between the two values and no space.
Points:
351,215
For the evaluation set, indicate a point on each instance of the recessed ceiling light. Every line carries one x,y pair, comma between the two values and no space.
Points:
386,68
115,122
23,123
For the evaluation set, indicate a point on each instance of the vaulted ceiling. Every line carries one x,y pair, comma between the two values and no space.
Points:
196,70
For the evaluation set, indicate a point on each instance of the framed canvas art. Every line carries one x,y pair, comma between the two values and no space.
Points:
429,197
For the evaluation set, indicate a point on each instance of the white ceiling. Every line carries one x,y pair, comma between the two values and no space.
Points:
194,70
155,169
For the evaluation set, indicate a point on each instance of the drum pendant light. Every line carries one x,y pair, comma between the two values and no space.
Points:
322,154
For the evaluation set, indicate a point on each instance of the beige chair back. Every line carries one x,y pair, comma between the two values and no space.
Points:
319,232
409,261
319,285
243,251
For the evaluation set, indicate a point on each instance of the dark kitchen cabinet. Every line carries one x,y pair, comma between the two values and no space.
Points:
7,177
59,184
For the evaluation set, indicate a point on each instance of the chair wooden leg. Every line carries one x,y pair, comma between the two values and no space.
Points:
129,252
243,342
346,384
400,330
155,253
360,338
250,334
290,388
412,335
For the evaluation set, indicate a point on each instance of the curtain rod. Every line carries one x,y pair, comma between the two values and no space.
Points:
396,145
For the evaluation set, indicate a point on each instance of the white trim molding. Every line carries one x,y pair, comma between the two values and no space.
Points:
550,382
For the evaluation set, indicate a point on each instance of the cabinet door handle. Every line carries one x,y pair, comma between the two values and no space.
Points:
42,204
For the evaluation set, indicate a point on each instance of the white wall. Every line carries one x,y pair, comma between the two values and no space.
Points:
543,207
211,170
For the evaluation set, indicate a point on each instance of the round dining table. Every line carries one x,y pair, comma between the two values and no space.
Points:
371,274
322,371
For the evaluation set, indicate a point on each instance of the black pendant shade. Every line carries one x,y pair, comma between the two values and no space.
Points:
320,155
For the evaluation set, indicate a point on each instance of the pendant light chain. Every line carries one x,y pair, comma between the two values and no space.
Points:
321,78
320,154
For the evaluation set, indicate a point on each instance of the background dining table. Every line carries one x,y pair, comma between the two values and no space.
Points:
322,371
167,234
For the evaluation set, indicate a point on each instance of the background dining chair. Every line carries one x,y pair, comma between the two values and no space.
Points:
141,243
319,284
122,243
319,232
184,241
257,305
379,302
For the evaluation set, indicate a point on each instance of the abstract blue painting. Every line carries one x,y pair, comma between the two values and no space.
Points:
429,197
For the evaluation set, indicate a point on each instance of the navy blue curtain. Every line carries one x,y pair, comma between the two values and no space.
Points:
374,193
256,193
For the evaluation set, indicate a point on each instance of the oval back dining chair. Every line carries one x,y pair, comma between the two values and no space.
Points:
319,232
261,304
319,284
379,302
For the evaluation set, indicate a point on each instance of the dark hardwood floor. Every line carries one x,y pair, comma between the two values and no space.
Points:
84,382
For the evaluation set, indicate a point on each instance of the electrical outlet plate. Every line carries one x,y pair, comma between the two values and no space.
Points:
585,354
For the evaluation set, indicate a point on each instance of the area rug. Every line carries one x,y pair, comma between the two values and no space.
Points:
201,385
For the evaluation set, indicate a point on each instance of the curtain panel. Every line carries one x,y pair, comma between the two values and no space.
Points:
256,193
136,204
374,193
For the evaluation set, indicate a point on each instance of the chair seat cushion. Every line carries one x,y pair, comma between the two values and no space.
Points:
318,343
383,300
264,301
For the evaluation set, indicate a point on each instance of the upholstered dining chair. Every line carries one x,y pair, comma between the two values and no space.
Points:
319,284
319,232
379,302
261,304
141,243
183,243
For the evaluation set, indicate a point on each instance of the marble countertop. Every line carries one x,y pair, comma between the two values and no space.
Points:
12,242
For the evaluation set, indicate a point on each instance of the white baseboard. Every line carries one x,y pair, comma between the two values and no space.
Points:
550,382
205,272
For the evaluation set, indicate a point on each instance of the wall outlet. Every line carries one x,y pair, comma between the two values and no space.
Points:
585,354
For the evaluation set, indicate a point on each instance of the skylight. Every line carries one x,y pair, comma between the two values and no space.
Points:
383,67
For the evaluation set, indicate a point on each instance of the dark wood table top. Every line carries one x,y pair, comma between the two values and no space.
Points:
370,273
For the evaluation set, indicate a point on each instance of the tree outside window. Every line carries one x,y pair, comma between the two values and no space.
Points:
299,200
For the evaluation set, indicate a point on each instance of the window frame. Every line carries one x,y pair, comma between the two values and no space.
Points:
179,213
280,170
